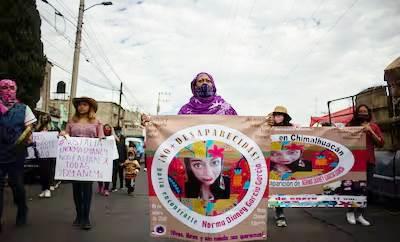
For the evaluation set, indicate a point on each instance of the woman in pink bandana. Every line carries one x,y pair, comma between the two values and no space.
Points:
8,94
15,117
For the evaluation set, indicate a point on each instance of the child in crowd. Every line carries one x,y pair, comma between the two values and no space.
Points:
132,168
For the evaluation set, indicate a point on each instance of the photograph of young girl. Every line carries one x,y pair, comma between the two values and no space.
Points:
209,177
205,179
289,160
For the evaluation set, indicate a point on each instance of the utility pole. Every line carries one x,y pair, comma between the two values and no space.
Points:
159,100
119,108
158,103
75,67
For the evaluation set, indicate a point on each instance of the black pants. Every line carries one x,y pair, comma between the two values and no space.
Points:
117,171
129,185
82,192
279,213
15,173
47,172
370,174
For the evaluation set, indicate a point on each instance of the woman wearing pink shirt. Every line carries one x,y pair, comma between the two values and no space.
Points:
83,124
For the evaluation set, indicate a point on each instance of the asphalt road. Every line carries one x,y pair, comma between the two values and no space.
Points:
123,218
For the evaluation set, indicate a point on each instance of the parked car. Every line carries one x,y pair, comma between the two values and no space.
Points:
386,178
139,144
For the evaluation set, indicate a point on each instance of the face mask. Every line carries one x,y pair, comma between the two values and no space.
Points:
205,91
364,117
8,92
107,132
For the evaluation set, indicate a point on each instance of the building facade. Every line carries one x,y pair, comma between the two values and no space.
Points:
107,113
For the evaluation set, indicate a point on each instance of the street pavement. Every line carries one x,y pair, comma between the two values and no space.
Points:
123,218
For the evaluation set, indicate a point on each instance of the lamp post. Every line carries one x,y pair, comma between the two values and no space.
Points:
78,38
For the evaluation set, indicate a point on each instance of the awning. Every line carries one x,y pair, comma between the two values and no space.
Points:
342,116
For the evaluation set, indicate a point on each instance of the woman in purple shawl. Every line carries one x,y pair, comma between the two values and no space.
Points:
205,100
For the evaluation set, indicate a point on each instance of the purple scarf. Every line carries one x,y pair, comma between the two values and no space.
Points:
211,105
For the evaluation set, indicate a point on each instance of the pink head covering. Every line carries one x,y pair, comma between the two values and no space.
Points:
8,94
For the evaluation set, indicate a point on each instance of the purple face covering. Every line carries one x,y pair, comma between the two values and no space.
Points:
205,100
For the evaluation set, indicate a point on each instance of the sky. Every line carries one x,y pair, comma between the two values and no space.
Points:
299,54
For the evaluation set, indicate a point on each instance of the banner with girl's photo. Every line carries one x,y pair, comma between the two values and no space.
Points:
208,177
318,167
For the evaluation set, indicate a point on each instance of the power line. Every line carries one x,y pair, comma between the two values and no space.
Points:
282,22
67,9
128,102
317,8
100,51
317,42
227,33
64,35
96,45
87,58
95,64
85,79
53,45
108,62
246,29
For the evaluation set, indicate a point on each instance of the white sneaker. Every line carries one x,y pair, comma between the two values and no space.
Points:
363,221
47,194
281,222
351,218
41,195
52,188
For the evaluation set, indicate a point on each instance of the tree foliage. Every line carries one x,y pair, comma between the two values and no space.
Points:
21,49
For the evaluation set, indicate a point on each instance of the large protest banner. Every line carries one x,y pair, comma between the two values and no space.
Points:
46,144
318,167
85,159
208,177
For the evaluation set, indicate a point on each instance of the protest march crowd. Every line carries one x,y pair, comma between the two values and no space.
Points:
17,122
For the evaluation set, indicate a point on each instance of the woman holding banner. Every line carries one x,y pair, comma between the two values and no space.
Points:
103,187
205,99
47,165
363,117
279,117
83,124
118,169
